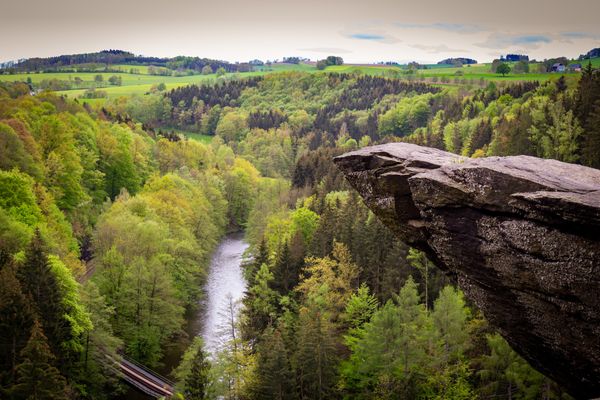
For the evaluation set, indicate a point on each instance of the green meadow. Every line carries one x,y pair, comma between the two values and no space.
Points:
140,82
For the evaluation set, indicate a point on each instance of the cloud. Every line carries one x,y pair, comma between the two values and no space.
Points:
580,35
500,40
444,26
367,36
442,48
371,35
329,50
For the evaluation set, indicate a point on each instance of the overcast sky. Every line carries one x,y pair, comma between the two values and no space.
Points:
359,31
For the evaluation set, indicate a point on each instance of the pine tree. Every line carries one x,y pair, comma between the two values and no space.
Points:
16,319
587,110
283,270
39,282
260,304
360,307
262,257
197,381
276,379
322,242
389,353
449,318
37,378
315,359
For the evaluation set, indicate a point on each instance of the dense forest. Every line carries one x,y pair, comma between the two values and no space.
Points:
109,219
109,58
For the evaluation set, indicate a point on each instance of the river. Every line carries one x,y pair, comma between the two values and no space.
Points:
225,279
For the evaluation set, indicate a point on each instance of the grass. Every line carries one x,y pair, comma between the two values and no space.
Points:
141,83
135,84
584,63
206,139
281,67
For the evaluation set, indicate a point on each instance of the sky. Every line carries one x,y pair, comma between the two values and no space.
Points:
363,31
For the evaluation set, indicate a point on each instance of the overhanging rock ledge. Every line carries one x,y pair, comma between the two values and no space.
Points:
520,234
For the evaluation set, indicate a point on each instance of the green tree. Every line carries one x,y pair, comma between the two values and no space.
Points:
14,153
221,71
305,222
449,317
503,69
261,302
361,306
117,162
240,187
193,372
99,342
504,373
40,282
275,375
333,279
417,259
232,127
316,357
115,80
389,352
37,378
16,320
207,70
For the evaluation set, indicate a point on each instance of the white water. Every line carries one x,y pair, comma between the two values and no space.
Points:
225,279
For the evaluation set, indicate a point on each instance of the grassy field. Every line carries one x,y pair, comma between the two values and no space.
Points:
206,139
135,84
141,83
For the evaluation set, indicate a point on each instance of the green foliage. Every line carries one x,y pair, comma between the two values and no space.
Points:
37,378
408,114
388,354
316,357
39,280
16,319
14,154
361,306
276,378
232,127
504,372
449,317
193,372
17,198
240,186
503,69
76,313
305,222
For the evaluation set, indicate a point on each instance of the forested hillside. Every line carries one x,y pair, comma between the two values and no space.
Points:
110,58
109,217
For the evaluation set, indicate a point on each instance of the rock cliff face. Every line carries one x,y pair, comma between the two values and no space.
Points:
520,234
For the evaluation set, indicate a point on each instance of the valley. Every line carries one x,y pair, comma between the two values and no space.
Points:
221,221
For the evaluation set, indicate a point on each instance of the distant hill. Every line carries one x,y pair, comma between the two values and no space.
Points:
113,57
458,60
591,54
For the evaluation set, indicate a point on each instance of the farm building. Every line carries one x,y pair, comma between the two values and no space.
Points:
575,67
558,67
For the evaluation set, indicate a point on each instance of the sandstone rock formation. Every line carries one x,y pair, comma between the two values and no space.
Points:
520,234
